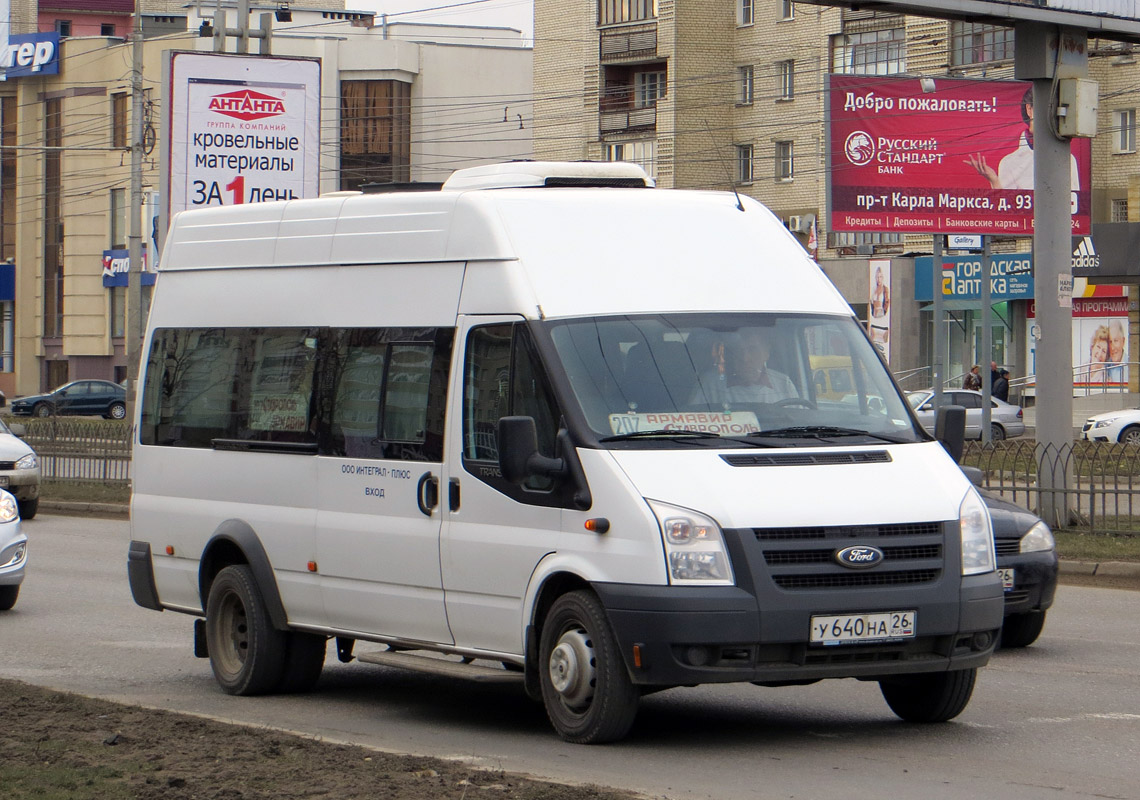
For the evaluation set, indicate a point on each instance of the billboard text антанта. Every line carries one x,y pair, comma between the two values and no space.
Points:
958,159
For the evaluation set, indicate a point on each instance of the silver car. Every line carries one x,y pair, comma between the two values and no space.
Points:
13,551
1006,420
19,469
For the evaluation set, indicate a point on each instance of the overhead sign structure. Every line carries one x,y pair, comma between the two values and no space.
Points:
243,129
938,155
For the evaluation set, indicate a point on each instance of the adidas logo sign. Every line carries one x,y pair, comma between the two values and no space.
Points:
1085,256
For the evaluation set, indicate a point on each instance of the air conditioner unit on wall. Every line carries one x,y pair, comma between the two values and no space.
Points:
800,223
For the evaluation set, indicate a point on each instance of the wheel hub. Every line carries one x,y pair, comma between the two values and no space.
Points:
572,671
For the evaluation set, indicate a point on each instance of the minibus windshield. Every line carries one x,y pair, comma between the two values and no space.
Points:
764,379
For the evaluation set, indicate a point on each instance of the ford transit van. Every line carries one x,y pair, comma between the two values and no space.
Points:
551,425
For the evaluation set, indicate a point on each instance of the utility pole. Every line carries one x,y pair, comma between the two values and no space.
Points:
134,327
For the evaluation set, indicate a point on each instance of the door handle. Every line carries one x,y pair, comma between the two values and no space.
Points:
427,493
453,494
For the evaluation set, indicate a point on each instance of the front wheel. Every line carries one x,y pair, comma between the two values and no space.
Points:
1022,630
587,692
42,410
8,595
246,653
1130,435
304,661
28,508
936,697
117,411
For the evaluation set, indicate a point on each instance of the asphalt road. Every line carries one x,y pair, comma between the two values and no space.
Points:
1059,719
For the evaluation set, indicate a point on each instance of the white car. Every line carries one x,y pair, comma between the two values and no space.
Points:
1006,420
19,469
13,551
1113,426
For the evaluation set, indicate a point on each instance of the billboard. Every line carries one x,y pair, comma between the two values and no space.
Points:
242,129
1011,277
28,54
1100,337
938,155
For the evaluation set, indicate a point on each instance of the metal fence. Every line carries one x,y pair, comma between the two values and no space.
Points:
1097,482
80,449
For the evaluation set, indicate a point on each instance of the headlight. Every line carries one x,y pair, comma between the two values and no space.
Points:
977,535
1038,540
1104,423
8,508
28,462
694,546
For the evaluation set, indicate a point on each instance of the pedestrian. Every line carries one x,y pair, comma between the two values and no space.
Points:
994,374
973,379
1001,386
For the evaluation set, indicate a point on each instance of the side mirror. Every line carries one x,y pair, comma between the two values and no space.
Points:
976,476
950,429
519,458
18,429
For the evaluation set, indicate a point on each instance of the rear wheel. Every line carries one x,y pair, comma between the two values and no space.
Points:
1130,435
997,432
304,660
587,692
935,697
42,410
246,653
8,595
117,411
28,508
1022,630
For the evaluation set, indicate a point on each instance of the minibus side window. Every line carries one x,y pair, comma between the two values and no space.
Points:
503,376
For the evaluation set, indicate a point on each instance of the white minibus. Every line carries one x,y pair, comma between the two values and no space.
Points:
544,424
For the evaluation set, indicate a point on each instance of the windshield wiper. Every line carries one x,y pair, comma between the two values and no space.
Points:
661,433
824,432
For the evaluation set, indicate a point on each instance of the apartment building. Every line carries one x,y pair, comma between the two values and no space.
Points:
722,93
398,102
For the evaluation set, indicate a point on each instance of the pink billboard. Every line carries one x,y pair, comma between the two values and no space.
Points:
938,155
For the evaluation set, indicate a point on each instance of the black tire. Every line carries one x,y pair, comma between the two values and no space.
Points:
8,595
246,653
1130,435
41,410
28,508
935,697
1022,630
304,660
117,411
586,689
997,432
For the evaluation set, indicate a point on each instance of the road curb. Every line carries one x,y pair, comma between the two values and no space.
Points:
74,508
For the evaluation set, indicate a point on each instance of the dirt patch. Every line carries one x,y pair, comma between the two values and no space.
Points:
61,745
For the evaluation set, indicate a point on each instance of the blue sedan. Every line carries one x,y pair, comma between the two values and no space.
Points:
104,398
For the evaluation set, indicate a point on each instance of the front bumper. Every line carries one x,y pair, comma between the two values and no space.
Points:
13,555
1034,581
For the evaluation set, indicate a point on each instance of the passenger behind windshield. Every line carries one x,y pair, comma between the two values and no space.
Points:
741,374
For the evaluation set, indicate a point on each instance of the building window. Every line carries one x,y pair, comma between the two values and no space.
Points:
880,52
845,239
8,177
106,29
744,163
119,219
118,311
978,43
53,219
1124,130
63,27
786,73
1119,210
375,132
787,9
644,154
648,88
119,104
746,84
785,163
744,12
613,11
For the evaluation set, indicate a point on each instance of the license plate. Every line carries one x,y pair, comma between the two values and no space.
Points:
1006,579
845,628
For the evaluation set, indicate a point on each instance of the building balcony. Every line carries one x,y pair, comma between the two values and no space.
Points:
628,43
630,119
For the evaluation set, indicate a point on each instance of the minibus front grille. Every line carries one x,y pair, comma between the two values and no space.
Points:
807,459
790,557
845,532
849,580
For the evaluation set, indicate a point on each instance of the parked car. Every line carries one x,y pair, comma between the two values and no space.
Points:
13,551
19,469
1113,426
1027,561
78,397
1006,419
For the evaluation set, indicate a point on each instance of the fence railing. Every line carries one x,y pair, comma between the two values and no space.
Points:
1099,482
80,449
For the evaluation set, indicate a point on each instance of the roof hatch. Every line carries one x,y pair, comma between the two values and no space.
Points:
515,174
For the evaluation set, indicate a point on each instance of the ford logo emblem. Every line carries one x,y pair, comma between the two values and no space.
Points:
859,557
